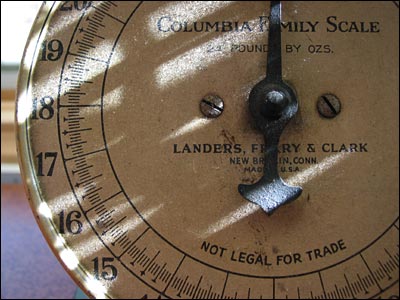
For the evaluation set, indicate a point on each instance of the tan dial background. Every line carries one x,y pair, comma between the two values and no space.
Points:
139,114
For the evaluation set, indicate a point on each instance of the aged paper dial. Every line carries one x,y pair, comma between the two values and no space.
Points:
135,184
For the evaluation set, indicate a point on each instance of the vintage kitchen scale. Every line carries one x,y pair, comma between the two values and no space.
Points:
215,150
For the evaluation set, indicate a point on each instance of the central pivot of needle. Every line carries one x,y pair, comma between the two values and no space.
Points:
273,103
275,98
276,101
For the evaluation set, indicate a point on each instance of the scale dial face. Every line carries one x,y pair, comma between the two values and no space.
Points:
136,190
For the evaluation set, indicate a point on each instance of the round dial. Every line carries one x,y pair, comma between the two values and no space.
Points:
135,131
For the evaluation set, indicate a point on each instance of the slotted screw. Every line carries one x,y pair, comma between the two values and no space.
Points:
328,105
212,106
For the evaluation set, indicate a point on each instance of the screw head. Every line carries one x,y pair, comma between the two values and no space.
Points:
212,106
328,105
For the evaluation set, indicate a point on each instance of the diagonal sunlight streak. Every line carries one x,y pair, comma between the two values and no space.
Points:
58,203
179,13
44,210
131,226
192,125
50,84
317,170
146,215
200,57
112,99
299,179
233,217
69,258
68,200
96,287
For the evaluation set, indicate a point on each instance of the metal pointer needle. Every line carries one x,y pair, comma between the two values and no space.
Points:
272,104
